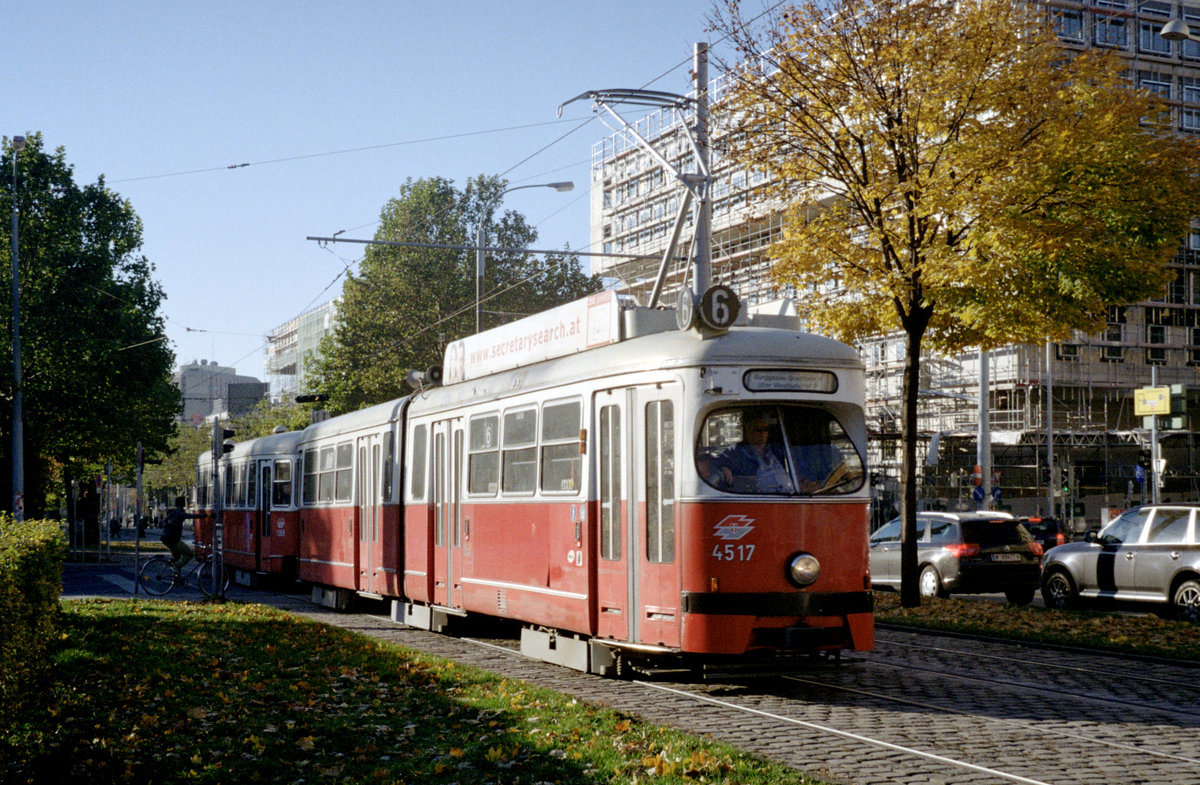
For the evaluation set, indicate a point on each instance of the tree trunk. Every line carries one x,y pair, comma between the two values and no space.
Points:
909,591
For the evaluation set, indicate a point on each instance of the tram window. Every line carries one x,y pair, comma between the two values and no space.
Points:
519,461
561,461
202,480
610,483
311,474
483,461
660,482
232,485
389,461
252,484
325,475
778,450
417,462
345,465
239,490
281,484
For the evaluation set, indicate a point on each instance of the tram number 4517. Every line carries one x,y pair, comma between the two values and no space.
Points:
731,552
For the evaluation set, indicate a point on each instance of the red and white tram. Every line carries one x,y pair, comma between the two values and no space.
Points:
624,489
349,522
261,513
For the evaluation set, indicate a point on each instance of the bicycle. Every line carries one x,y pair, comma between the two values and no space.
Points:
159,575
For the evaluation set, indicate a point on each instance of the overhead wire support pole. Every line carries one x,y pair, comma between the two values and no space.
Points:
698,185
703,245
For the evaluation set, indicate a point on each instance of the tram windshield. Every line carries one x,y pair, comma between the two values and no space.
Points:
780,450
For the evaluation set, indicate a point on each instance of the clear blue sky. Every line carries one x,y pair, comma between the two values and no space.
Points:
334,106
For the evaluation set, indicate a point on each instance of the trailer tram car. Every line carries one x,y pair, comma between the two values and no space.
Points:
261,515
627,491
349,522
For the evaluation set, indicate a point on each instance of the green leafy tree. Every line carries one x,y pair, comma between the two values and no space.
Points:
265,417
96,365
952,173
176,472
407,303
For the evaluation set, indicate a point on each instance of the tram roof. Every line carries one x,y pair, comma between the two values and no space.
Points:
355,421
762,347
272,444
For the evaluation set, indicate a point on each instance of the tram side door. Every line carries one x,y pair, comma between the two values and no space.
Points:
447,514
370,510
614,589
262,549
654,442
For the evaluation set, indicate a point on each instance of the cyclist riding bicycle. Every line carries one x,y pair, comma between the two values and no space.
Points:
172,534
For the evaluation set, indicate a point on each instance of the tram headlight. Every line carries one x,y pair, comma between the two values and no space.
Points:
803,569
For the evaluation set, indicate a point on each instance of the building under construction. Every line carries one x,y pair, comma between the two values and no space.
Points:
1061,418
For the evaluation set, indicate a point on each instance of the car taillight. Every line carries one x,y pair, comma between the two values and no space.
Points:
963,549
1036,548
1059,539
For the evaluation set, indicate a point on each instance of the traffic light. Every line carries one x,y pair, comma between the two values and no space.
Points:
219,436
1068,477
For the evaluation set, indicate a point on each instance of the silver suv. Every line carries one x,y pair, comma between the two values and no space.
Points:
1148,554
962,552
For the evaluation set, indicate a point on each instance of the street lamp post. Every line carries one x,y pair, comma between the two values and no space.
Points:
481,235
18,426
1177,30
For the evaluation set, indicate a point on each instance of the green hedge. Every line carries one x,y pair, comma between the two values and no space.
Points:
31,560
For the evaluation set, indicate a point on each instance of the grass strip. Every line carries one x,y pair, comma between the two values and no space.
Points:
166,692
1145,635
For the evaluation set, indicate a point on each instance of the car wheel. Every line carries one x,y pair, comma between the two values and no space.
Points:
930,583
1021,596
1058,591
1187,601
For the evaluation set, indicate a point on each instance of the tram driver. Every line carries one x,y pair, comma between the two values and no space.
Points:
757,463
778,450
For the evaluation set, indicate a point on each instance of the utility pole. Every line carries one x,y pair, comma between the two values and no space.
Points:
18,414
702,259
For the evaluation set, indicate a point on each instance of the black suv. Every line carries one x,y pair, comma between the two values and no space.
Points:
1046,531
963,553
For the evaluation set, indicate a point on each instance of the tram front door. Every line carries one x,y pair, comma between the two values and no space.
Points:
638,575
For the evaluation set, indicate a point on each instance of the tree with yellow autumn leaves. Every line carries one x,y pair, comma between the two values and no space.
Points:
950,171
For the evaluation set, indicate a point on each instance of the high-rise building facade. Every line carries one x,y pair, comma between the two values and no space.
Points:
290,343
211,389
1077,395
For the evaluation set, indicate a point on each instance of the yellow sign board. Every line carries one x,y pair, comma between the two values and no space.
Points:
1150,401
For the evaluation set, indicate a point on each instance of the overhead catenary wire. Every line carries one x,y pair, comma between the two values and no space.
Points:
579,124
345,151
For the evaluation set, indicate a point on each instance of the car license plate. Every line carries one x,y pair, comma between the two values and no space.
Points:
1006,557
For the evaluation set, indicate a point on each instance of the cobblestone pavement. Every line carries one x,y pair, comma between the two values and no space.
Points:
921,709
